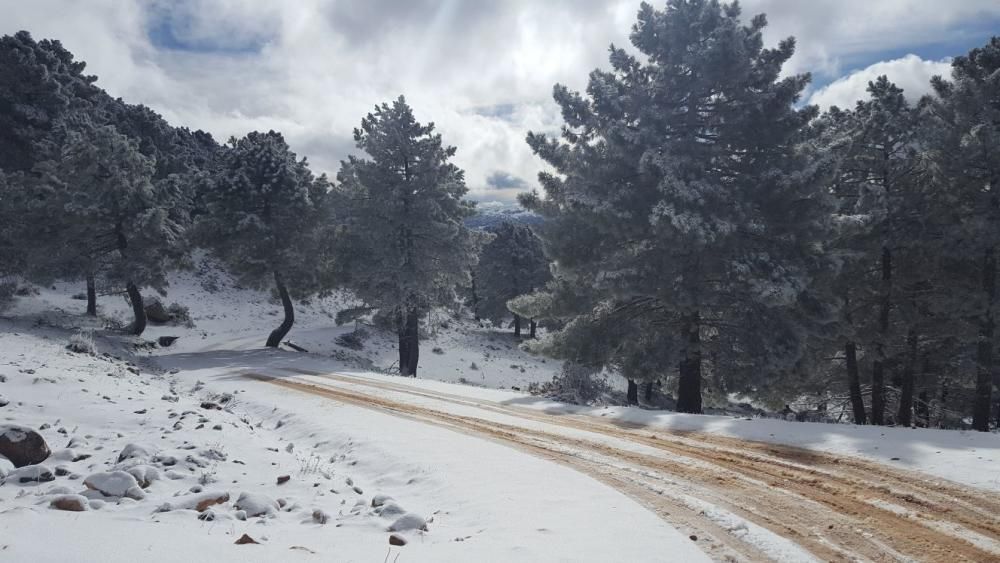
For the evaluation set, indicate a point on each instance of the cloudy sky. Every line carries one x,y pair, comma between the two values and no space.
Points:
482,70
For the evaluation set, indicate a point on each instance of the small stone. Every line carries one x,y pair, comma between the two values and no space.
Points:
320,517
245,539
693,537
284,479
396,539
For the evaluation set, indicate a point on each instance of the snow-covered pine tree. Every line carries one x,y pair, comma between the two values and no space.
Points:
40,82
510,265
407,247
264,210
678,186
964,140
93,203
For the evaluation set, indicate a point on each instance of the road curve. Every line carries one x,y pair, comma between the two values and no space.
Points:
740,500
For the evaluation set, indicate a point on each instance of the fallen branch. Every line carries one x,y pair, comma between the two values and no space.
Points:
295,347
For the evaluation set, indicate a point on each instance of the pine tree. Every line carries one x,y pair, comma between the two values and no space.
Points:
964,140
39,82
93,205
264,210
681,195
510,265
407,247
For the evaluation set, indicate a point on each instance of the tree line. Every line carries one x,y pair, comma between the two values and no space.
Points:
703,228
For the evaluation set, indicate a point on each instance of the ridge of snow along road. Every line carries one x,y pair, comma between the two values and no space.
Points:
169,467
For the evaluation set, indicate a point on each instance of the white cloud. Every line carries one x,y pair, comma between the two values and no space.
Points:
323,64
911,73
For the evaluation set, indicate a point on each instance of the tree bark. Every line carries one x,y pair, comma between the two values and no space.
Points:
475,296
517,326
632,396
412,344
984,352
689,383
878,365
854,384
91,295
138,311
286,302
648,392
404,344
905,415
532,327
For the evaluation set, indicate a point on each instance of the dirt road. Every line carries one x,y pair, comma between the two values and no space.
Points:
741,501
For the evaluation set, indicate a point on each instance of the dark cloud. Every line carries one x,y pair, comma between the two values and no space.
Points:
500,180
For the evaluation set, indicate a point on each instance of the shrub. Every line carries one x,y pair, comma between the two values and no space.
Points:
82,343
575,383
354,340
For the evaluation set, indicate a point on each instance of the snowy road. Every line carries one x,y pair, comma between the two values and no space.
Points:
741,500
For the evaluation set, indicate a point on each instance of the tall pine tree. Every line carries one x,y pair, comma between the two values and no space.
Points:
407,245
680,193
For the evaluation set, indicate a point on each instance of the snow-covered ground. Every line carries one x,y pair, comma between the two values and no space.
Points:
210,434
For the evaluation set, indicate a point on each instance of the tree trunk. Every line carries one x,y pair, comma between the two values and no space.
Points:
922,410
854,384
648,392
532,327
517,326
475,296
404,344
286,325
632,397
412,344
91,295
138,311
905,415
878,365
689,382
984,352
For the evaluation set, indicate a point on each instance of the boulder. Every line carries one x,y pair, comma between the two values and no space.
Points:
115,484
72,503
409,521
22,446
156,312
256,505
166,341
135,451
30,474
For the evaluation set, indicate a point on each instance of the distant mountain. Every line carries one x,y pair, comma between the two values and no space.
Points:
490,214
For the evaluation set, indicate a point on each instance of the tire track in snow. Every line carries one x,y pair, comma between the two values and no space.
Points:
828,506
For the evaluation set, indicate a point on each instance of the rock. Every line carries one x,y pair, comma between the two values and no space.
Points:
693,537
240,515
166,341
72,503
22,446
115,484
62,471
3,401
256,504
30,474
207,516
205,500
144,475
156,312
283,479
396,539
409,521
391,510
209,405
136,451
379,500
320,517
245,539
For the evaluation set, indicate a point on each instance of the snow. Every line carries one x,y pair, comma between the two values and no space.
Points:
489,503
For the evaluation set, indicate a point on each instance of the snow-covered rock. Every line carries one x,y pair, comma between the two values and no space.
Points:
136,451
144,475
198,501
30,474
72,503
407,522
115,484
22,446
254,504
